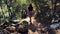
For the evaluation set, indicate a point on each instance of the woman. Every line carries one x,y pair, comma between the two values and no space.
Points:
30,9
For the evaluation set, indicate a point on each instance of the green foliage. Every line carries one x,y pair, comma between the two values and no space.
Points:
12,9
22,1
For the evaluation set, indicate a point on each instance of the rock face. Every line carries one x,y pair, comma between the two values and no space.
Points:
4,32
11,29
54,26
32,27
22,28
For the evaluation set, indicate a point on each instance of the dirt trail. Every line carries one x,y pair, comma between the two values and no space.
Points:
35,22
27,19
30,32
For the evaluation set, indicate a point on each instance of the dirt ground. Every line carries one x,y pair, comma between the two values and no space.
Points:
37,32
30,32
57,31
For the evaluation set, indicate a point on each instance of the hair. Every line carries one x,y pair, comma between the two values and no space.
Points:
30,5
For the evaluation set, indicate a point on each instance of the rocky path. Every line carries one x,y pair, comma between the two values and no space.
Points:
36,24
33,22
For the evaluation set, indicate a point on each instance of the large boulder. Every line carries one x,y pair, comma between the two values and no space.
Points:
22,27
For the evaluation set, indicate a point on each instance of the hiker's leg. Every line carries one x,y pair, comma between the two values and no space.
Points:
30,19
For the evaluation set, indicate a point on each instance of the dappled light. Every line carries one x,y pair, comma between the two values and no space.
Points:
29,16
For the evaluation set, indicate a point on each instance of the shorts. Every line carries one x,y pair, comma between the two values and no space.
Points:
30,14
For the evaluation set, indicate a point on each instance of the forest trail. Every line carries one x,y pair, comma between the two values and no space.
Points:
35,23
27,19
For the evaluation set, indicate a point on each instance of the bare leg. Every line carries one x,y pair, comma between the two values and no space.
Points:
30,20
